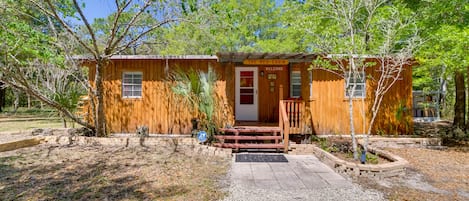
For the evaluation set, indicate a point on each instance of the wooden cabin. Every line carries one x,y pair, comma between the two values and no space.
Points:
250,87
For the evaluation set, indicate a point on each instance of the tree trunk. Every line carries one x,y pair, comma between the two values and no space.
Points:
467,125
2,96
352,128
460,102
100,116
29,101
16,103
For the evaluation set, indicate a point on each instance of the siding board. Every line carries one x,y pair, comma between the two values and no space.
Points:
326,111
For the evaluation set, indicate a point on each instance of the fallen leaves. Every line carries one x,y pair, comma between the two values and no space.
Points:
100,173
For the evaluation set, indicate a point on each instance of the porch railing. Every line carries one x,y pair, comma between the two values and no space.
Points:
284,125
290,117
294,110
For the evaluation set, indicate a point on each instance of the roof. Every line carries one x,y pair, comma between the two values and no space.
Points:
163,57
224,56
241,56
136,57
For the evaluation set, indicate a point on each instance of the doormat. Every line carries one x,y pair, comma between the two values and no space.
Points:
261,158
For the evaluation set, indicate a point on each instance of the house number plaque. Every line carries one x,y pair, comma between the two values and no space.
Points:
272,76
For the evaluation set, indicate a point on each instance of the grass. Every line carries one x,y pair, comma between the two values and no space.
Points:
26,119
20,126
24,112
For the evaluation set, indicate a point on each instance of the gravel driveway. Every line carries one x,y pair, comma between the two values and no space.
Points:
303,177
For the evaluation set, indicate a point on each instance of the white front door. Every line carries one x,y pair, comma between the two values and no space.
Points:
246,94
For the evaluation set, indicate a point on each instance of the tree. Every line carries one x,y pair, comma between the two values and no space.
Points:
29,62
247,26
444,56
126,29
357,32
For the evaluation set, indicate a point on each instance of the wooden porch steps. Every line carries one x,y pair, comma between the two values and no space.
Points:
249,146
250,137
247,137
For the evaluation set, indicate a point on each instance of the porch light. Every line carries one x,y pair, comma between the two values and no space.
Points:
262,73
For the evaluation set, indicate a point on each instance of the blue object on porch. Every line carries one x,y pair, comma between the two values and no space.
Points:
202,136
363,157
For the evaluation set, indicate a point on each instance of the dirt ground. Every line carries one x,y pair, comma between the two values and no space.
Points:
46,172
432,175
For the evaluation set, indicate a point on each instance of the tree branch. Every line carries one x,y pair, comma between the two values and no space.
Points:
88,26
62,22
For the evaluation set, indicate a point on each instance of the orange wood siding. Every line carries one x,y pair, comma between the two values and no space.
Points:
158,108
326,111
269,100
329,109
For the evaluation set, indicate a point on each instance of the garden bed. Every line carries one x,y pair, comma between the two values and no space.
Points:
335,152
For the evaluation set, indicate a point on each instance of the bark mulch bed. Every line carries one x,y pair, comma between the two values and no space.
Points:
47,172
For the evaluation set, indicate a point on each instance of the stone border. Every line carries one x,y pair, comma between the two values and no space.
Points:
395,168
190,146
382,142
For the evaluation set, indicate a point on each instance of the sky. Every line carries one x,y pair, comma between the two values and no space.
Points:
97,8
102,8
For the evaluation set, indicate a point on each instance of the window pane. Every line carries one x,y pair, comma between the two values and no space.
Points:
132,84
127,93
127,80
137,88
127,76
137,93
246,79
295,83
358,87
246,96
127,88
137,81
296,90
359,82
246,99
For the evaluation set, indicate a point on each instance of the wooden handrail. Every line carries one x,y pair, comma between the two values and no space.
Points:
290,117
284,124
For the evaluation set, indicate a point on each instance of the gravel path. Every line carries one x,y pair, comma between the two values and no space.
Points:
302,178
238,192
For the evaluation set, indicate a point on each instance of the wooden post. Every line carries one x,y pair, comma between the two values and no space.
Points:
236,141
280,92
286,136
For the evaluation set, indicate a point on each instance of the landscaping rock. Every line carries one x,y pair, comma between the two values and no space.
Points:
42,131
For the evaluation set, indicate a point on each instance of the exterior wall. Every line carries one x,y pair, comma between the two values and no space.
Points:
268,100
330,110
326,107
158,108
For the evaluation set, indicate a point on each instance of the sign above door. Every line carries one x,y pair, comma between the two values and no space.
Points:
278,62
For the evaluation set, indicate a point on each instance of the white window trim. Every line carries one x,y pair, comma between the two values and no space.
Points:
131,84
291,83
362,78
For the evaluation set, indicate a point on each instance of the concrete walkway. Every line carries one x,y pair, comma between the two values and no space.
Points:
304,177
301,172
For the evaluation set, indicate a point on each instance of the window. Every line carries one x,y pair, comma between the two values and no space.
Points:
246,87
132,85
359,81
295,84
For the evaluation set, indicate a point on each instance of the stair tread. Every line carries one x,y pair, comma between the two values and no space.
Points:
251,129
249,146
248,137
